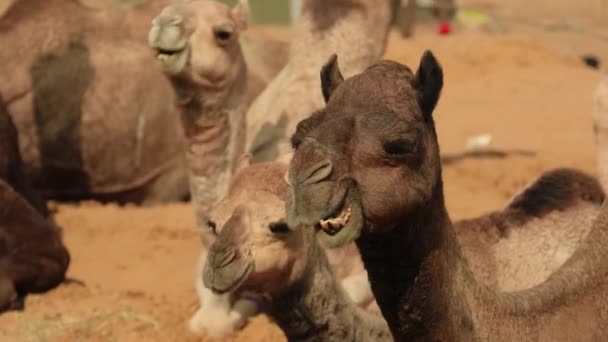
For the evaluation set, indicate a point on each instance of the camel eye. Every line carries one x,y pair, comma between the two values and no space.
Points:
212,226
223,34
399,147
278,227
295,142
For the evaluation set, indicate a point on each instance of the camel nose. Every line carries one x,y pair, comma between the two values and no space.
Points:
317,172
166,29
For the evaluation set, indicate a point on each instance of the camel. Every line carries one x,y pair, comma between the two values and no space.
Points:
87,108
356,29
381,164
197,47
32,256
255,251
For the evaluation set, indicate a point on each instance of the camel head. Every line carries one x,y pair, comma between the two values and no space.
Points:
253,246
197,41
370,156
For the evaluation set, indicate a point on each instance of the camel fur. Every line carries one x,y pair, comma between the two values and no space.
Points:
356,30
420,278
32,256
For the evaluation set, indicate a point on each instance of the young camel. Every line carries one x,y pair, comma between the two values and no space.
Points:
32,256
356,29
373,152
197,47
255,251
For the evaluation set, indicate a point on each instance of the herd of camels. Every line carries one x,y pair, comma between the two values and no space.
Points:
314,173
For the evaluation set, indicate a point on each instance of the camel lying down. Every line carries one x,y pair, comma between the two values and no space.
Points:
32,256
254,251
384,157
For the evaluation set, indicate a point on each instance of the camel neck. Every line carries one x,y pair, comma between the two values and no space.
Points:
214,126
318,309
413,272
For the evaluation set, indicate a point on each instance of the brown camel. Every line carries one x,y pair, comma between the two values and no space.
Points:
300,282
93,120
373,153
32,256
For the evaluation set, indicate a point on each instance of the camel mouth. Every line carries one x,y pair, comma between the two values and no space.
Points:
344,224
166,55
333,224
172,60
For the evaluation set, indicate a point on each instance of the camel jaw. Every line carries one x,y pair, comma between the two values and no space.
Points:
341,224
343,228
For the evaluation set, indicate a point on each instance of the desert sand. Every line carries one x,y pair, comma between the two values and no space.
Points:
132,269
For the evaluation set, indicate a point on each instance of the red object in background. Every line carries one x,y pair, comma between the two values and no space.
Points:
445,28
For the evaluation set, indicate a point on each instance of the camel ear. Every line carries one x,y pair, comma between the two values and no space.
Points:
240,14
428,82
331,77
243,162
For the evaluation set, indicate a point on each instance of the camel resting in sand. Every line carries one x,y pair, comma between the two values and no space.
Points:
32,256
255,251
93,120
259,256
420,278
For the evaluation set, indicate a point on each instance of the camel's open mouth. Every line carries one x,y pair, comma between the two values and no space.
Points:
332,225
344,224
167,56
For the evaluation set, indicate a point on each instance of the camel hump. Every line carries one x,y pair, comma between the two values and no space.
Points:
558,189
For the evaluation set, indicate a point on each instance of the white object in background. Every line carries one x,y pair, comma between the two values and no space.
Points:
478,142
294,10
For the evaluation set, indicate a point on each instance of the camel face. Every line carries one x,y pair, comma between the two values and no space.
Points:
198,41
253,247
375,131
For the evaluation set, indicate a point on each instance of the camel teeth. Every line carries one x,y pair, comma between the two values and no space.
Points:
324,224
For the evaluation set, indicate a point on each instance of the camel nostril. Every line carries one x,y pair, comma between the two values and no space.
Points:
278,227
318,172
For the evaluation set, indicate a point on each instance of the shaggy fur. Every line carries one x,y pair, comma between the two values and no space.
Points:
384,157
290,267
357,30
32,256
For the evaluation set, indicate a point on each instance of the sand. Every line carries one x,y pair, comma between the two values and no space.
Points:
132,269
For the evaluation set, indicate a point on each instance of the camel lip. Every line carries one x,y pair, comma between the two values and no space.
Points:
354,224
238,281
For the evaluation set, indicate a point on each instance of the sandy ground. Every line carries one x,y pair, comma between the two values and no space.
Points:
524,85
